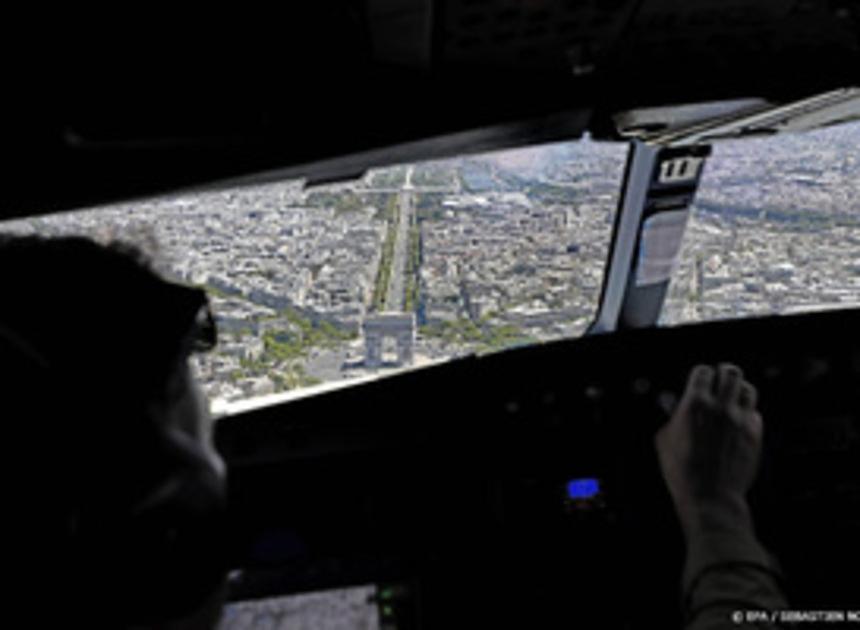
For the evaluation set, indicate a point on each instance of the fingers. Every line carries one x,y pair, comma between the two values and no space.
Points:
726,384
747,396
756,425
701,380
729,383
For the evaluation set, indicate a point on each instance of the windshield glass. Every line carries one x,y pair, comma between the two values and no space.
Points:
410,265
775,229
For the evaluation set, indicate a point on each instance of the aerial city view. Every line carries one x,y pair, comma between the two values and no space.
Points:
416,264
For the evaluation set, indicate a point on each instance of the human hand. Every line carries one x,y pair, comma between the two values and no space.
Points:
709,450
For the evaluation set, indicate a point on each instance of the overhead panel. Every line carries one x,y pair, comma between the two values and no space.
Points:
341,78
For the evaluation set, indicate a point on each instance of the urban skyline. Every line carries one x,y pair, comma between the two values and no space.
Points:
487,252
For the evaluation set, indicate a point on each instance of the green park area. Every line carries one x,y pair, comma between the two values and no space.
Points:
286,349
391,213
413,267
481,335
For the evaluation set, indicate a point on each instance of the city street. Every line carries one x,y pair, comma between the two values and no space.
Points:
406,210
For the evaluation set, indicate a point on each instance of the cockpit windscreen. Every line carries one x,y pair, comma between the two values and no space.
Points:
406,266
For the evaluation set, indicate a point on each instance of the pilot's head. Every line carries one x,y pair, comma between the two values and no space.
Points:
113,491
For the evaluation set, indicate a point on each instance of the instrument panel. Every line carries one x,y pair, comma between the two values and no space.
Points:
512,481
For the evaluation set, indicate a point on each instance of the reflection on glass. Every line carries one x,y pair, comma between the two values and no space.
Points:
775,229
410,265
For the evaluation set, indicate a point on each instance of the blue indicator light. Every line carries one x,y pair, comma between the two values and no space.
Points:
583,488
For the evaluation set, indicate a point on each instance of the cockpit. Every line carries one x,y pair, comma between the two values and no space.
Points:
441,363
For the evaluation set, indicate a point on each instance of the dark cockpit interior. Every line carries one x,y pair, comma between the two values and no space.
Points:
469,501
517,488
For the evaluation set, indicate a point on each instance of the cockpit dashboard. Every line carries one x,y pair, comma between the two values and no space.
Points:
523,486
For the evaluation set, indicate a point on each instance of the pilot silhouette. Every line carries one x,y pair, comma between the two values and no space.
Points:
114,495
